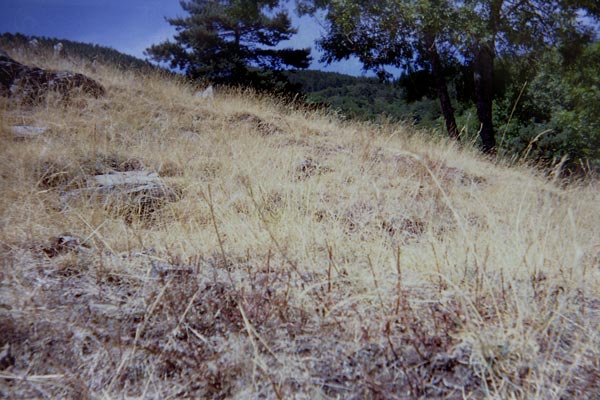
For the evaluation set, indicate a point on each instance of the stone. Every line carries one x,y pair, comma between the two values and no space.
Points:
27,132
64,244
127,184
208,93
135,178
127,192
162,269
7,360
31,84
58,48
190,136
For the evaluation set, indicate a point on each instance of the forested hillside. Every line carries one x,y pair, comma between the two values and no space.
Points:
85,51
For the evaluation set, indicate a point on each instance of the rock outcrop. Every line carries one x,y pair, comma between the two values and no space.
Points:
30,84
127,193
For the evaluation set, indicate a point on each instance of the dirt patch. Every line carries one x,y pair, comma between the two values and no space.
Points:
403,226
308,168
105,163
444,173
54,174
261,126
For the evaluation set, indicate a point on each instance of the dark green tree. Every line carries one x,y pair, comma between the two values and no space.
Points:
513,28
432,33
557,117
408,34
231,42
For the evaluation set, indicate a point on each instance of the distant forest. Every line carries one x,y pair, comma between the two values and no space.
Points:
366,98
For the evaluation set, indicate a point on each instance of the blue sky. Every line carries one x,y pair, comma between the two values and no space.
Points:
129,26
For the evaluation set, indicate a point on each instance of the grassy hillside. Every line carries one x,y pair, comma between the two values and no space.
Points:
85,52
303,257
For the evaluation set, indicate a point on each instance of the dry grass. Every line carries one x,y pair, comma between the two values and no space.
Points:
304,258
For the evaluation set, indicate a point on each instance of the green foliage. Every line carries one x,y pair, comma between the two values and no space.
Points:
232,42
384,32
428,36
558,114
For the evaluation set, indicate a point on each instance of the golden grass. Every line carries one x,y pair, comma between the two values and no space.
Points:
305,258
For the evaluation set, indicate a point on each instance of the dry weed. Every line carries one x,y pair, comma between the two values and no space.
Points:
303,257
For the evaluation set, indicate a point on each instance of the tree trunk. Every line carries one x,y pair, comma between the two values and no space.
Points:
442,88
484,52
483,69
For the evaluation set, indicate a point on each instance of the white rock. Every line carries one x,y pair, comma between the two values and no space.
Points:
24,131
127,178
208,93
190,135
58,47
138,188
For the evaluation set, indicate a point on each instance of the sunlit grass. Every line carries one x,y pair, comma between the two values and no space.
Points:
306,257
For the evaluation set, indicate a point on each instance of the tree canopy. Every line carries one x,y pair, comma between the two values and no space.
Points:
434,34
231,41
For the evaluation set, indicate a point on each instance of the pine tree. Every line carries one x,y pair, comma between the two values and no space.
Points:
231,42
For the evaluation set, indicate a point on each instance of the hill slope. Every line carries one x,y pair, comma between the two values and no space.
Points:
300,256
353,97
86,51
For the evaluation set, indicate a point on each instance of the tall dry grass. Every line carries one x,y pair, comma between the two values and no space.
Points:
306,257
